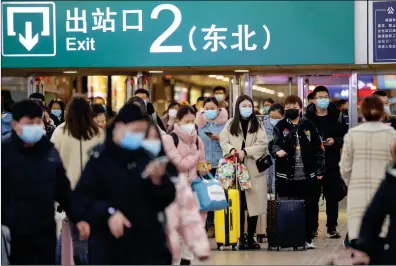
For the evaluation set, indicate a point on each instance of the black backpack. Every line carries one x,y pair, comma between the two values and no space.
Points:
176,140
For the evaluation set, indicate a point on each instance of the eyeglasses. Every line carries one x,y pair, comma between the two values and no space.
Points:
322,97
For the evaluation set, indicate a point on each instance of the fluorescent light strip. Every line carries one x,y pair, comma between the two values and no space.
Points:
69,72
156,71
241,71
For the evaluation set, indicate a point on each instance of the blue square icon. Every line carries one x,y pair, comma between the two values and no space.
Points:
28,29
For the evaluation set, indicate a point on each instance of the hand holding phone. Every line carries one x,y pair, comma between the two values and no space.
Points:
209,134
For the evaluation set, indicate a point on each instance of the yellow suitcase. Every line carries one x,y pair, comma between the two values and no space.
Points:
227,222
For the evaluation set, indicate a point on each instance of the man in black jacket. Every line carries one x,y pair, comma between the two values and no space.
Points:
331,125
298,150
33,178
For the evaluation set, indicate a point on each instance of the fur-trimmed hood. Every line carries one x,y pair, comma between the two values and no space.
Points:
221,118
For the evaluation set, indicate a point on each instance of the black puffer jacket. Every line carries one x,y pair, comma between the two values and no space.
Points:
338,129
382,205
32,178
112,178
285,138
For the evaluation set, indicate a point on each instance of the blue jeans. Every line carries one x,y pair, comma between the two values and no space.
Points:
210,218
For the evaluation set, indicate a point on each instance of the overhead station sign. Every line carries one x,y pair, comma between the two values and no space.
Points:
384,33
184,33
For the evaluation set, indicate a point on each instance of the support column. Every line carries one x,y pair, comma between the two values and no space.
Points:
353,100
235,91
247,85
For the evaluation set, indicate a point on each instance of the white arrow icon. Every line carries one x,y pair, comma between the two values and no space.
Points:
28,41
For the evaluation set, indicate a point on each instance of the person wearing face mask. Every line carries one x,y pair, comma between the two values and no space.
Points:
211,121
267,104
299,160
183,221
32,178
122,193
332,127
57,108
170,118
388,118
74,139
276,113
245,134
220,95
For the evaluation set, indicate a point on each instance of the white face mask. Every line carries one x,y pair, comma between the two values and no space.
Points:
219,97
188,128
172,113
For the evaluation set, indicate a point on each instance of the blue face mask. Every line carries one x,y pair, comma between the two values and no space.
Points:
246,112
266,109
273,122
56,113
323,103
31,134
210,114
132,140
153,146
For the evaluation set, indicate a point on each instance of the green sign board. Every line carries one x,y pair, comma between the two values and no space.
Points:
179,33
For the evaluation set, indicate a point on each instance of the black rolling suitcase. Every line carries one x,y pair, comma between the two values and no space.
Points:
286,224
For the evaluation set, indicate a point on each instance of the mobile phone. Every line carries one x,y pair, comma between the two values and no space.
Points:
209,134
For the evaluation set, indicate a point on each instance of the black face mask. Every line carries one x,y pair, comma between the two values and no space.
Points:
292,113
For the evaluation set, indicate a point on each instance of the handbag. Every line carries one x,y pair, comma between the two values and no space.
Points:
264,162
210,194
342,190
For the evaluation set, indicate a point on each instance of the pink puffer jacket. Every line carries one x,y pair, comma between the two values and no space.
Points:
185,156
184,223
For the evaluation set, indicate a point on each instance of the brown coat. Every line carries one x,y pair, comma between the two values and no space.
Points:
365,155
255,146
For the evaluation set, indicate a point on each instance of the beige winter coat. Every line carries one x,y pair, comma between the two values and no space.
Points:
255,146
365,155
71,153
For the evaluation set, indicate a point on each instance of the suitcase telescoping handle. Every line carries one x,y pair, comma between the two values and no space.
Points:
231,215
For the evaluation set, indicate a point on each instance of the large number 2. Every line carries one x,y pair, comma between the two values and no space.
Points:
157,46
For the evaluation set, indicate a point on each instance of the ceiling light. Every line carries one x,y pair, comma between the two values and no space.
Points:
262,89
280,94
241,71
219,77
156,71
226,79
70,72
212,76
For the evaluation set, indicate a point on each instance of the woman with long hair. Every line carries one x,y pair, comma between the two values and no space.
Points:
366,153
73,139
245,135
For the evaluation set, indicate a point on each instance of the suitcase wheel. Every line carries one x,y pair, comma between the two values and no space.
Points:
235,247
220,247
277,248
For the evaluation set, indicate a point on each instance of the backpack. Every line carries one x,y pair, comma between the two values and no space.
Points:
176,140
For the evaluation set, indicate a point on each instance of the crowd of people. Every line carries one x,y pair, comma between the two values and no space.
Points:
123,180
